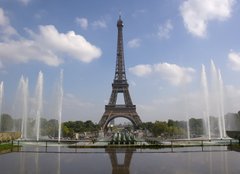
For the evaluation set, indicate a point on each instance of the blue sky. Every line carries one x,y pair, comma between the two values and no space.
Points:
165,43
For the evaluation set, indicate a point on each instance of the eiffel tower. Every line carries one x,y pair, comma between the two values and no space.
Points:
120,85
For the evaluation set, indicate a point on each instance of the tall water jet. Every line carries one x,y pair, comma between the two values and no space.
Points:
187,117
215,97
221,103
22,96
25,108
218,99
59,106
39,102
1,101
188,129
206,101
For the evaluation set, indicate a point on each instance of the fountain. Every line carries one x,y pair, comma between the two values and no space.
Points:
22,102
221,103
187,118
217,99
22,97
206,102
213,100
188,129
39,102
59,106
1,101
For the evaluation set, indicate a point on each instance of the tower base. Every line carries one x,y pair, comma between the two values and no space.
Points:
115,111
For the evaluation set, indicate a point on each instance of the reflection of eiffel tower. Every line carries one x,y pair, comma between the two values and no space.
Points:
120,85
120,168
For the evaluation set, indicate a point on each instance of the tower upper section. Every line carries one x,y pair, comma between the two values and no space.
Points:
120,75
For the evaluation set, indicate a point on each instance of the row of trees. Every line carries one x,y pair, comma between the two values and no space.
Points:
71,127
174,129
47,127
165,129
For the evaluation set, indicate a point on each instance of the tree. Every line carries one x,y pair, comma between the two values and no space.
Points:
67,132
159,128
44,126
52,128
6,123
196,126
17,124
71,127
147,125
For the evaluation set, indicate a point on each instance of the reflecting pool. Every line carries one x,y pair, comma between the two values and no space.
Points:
63,160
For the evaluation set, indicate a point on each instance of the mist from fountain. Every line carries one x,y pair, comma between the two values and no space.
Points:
22,104
187,116
204,83
22,97
59,106
39,103
1,102
213,100
188,129
218,99
221,90
215,97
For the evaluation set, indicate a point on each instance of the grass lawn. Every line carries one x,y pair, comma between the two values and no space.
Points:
5,147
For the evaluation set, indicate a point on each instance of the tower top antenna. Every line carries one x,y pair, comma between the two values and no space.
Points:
120,14
120,22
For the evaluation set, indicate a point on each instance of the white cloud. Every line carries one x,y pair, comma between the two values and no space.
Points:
174,74
176,101
82,22
165,29
47,45
197,13
234,60
5,28
141,70
23,51
24,2
134,43
99,24
70,43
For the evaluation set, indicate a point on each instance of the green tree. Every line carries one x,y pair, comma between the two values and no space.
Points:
196,126
67,132
148,126
71,127
17,124
44,126
52,128
6,123
159,128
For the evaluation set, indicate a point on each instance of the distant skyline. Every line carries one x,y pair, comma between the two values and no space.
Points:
166,42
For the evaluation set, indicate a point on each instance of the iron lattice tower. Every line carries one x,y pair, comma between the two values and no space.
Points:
120,168
120,85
